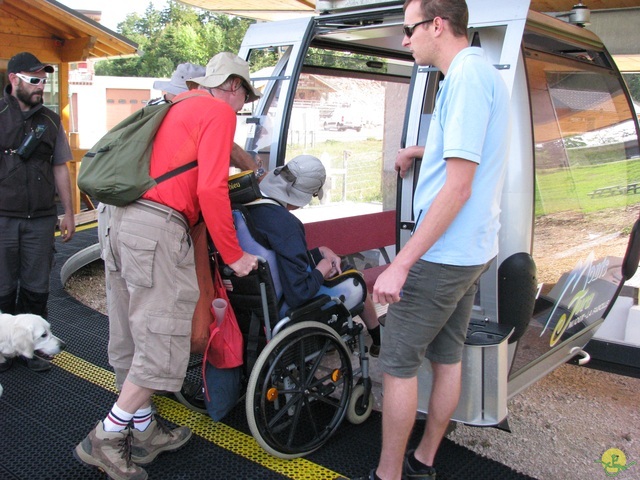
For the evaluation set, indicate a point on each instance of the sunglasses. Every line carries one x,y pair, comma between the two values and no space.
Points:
408,29
246,93
247,96
32,80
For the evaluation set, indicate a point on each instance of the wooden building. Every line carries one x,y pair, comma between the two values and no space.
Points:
59,36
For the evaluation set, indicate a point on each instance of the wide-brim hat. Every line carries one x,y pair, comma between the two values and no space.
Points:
297,182
27,62
221,67
178,82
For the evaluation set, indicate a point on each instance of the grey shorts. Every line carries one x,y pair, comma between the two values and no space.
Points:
152,293
431,318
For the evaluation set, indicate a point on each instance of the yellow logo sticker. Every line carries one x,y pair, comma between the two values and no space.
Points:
614,461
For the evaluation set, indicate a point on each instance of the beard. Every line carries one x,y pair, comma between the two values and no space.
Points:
30,99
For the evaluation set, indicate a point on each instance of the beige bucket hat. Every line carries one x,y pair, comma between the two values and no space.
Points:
221,67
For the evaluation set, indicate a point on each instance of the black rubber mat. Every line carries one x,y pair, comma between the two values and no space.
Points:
44,415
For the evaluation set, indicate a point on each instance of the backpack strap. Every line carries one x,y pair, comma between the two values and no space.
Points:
191,95
185,167
176,171
262,201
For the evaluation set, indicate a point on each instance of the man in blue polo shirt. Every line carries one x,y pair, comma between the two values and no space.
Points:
432,282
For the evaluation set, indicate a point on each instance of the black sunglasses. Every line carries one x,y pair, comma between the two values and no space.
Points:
246,91
247,96
408,29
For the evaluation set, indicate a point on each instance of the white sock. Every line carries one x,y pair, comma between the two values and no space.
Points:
142,418
117,419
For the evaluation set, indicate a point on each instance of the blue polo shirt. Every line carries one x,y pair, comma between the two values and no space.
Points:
470,121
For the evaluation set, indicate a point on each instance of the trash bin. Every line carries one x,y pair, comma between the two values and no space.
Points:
483,398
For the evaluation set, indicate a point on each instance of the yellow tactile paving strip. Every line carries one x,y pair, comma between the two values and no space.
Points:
215,432
80,228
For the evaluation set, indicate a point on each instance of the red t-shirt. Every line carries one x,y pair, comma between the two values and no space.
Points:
199,128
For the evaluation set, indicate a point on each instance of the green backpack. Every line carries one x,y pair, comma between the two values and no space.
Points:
116,170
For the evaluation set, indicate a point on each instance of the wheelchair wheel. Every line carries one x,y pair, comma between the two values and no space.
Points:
356,413
191,395
299,390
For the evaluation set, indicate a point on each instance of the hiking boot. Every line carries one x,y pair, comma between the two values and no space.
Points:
409,473
6,364
110,452
157,438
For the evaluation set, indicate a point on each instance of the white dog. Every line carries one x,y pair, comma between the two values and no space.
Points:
25,334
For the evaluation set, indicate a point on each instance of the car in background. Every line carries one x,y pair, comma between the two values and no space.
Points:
341,124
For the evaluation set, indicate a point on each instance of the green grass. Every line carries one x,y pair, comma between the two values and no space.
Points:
565,189
361,160
557,189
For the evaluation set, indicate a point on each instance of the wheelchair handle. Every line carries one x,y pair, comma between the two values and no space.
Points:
227,271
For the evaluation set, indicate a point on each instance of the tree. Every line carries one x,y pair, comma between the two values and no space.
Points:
633,83
174,35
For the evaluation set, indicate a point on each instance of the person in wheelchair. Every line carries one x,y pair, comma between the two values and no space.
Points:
303,273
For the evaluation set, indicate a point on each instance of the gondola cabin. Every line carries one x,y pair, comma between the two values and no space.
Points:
340,86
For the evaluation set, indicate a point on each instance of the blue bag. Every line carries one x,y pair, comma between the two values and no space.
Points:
223,387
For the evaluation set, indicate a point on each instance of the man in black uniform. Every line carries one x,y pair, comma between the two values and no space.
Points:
34,153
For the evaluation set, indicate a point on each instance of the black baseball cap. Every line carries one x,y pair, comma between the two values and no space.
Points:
27,62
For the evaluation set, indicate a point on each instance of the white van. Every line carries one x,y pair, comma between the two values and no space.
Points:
342,121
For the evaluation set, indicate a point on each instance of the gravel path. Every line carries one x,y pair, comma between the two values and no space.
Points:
563,424
560,426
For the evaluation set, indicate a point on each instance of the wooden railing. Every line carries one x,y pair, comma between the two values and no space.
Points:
89,213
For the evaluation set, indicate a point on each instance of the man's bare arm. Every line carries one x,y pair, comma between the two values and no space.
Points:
448,202
242,160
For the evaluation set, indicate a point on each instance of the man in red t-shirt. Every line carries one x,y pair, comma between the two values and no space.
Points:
151,279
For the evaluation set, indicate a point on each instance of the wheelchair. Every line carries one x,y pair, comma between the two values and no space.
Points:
299,379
